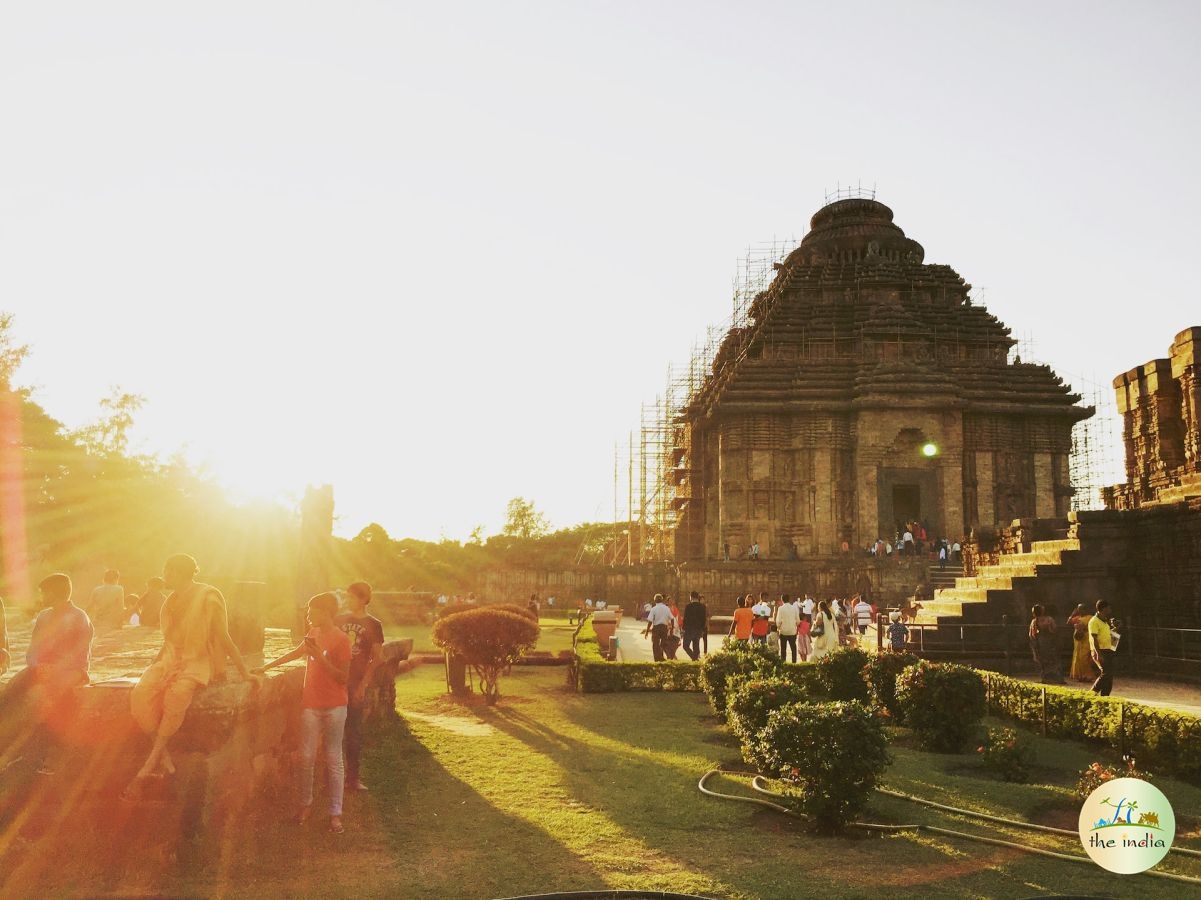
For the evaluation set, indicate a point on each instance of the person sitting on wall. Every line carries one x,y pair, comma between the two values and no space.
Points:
55,664
196,643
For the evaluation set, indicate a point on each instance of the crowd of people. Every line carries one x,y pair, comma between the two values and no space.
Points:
802,629
341,650
797,628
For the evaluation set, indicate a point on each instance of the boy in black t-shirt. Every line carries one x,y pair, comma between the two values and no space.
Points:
366,635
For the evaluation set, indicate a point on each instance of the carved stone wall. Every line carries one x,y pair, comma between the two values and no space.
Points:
1159,403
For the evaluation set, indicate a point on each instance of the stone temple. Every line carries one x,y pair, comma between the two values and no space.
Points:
864,390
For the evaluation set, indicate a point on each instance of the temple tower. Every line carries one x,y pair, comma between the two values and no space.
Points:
866,390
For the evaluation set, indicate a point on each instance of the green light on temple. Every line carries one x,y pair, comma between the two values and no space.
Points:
930,450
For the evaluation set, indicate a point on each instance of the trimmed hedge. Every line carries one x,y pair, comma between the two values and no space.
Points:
1164,740
749,702
828,757
943,703
881,673
596,675
841,672
736,659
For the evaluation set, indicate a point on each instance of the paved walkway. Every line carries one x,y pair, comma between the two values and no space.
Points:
633,647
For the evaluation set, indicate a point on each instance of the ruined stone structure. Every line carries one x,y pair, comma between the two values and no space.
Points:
866,389
1160,402
1142,553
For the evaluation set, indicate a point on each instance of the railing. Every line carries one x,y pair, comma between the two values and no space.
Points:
1008,639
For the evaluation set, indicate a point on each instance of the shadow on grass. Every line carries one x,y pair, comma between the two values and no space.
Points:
419,831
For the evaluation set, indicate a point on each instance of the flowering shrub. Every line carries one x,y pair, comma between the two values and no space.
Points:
881,674
1096,775
735,659
841,673
942,702
750,701
828,757
1006,754
488,640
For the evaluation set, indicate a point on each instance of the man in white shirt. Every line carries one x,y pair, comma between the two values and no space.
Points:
807,608
863,615
658,624
788,620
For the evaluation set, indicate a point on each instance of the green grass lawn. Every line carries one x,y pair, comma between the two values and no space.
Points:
554,791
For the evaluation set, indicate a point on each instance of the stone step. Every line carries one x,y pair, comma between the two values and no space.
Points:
1060,546
963,595
932,609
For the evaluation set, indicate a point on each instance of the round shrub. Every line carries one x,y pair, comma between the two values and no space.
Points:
487,639
943,703
750,701
881,674
828,757
518,610
1007,754
736,659
841,674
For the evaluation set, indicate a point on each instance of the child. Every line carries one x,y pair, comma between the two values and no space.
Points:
804,646
323,703
898,634
773,639
366,635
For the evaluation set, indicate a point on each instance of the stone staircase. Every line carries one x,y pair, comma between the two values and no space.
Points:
984,597
939,577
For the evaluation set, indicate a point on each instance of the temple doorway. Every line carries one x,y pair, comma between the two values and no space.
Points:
907,495
907,502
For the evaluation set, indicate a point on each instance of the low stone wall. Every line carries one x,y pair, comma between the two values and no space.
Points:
237,739
887,580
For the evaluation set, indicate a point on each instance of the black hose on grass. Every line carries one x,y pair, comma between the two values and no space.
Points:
978,815
758,780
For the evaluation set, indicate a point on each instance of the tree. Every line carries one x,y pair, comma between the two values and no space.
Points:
11,355
109,435
522,520
487,639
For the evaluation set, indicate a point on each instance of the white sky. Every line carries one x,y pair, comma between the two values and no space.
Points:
438,254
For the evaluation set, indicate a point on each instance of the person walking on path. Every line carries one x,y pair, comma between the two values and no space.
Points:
696,625
1082,663
864,615
761,623
1103,644
740,628
824,632
1043,646
658,622
788,620
898,634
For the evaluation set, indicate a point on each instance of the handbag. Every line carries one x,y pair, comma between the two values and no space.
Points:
819,627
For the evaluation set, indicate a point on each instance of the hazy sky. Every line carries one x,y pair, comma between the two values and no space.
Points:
438,254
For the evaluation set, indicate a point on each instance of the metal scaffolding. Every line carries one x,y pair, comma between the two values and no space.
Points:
663,459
